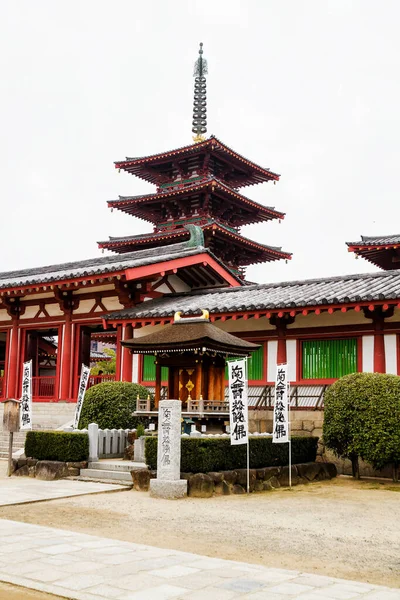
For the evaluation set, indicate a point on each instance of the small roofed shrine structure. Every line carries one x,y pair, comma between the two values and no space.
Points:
381,250
199,185
195,353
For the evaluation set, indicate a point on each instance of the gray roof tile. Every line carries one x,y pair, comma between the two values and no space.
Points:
292,294
376,240
96,266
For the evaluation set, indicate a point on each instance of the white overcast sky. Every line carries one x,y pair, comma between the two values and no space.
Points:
308,88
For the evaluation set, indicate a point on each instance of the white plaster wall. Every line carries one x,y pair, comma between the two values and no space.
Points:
40,296
30,312
351,317
54,310
368,353
4,316
272,348
135,368
112,303
391,353
395,318
178,284
97,288
249,325
291,353
84,307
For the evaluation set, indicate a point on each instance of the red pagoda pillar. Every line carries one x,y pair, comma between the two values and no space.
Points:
127,356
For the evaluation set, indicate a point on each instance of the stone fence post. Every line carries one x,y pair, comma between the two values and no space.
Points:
93,442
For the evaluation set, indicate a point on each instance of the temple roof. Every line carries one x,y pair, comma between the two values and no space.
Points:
196,335
212,156
382,250
363,288
145,206
260,252
100,265
377,240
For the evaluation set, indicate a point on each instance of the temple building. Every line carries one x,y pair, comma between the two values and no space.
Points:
195,260
381,250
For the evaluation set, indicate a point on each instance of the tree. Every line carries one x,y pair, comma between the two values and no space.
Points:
362,418
111,405
107,366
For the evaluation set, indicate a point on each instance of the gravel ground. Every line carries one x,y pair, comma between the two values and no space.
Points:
339,528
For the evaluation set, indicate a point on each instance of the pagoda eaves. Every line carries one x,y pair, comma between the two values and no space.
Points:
223,241
208,157
209,197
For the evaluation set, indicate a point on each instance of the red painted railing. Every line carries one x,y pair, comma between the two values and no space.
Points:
95,379
44,387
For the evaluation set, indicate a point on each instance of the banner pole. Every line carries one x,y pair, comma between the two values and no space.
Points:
248,445
290,441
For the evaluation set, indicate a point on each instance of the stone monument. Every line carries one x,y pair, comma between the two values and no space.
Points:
168,483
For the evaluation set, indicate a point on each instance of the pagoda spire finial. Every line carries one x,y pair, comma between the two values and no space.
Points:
200,98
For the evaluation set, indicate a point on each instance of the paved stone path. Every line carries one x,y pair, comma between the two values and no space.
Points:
20,490
85,567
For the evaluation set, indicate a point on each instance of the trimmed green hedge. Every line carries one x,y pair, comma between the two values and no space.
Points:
111,405
57,445
202,455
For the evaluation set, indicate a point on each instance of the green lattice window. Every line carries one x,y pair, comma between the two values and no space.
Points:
329,359
149,369
255,365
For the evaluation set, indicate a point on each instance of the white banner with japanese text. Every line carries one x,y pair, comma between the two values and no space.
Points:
85,372
281,421
238,404
25,414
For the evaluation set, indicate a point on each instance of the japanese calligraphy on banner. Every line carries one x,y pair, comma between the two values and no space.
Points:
26,397
85,372
238,406
281,422
166,436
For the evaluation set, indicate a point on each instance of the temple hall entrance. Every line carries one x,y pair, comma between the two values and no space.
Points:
41,347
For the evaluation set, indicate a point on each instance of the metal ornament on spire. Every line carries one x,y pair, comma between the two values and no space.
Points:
200,98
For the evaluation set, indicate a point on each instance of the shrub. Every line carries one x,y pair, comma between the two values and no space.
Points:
202,455
111,405
362,418
57,445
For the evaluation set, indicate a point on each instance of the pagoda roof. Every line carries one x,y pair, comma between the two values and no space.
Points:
106,265
211,154
381,250
311,294
194,335
143,206
262,252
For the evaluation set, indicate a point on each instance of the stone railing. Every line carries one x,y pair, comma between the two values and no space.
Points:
104,443
206,406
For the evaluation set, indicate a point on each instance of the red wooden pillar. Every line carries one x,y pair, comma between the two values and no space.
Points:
119,357
127,356
12,383
281,356
66,357
379,349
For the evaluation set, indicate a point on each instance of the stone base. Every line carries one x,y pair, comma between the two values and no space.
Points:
164,488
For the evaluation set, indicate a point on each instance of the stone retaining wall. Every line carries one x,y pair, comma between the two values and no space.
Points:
205,485
47,470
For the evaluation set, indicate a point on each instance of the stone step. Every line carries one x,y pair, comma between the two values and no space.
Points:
119,466
108,475
126,484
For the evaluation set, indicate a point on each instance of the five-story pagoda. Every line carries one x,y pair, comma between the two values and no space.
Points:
199,185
